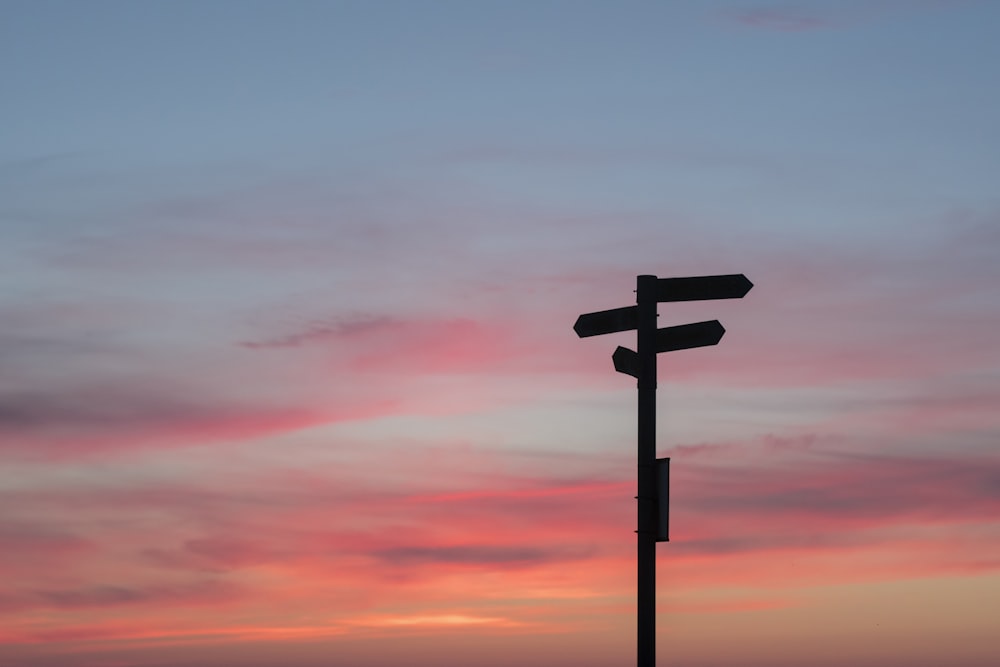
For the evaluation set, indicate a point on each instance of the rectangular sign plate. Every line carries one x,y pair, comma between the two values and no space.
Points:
663,500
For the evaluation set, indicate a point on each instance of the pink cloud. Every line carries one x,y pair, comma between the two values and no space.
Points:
451,346
413,346
28,548
73,424
819,503
294,541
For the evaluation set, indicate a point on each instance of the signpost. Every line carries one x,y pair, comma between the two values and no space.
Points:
653,474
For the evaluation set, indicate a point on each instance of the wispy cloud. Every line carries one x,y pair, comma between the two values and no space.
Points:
778,19
325,332
498,554
803,17
414,346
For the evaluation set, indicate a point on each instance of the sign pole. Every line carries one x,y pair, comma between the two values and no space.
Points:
646,299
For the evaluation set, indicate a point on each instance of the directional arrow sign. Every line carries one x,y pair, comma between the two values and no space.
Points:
686,336
626,361
701,288
607,321
668,339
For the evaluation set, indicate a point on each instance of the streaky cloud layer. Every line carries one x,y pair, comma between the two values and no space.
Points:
287,367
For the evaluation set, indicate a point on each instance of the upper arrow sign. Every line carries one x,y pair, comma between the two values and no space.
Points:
702,288
607,321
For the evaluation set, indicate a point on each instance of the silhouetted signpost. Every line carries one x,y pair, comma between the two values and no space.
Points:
654,474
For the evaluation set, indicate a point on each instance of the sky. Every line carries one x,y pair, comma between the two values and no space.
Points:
287,368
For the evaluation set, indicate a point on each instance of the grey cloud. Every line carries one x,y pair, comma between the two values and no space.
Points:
109,595
472,555
74,421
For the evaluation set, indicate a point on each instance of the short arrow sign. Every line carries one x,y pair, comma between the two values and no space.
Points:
668,339
607,321
626,361
701,288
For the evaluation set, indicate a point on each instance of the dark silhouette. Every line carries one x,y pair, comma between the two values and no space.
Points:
654,474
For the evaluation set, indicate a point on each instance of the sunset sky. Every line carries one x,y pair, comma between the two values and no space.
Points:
287,369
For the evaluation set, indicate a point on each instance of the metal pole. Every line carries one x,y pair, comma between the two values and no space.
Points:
645,291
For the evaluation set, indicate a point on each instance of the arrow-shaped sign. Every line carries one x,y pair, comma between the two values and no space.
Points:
668,339
686,336
607,321
626,361
701,288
